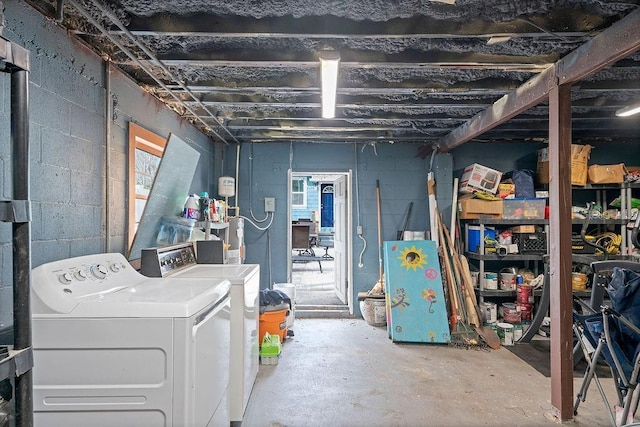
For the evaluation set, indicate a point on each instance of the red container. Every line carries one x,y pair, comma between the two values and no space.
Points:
524,293
526,311
510,313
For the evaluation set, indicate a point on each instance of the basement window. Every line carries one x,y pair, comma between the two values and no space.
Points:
145,151
299,193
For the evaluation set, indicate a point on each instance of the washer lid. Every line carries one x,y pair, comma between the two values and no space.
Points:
156,298
237,274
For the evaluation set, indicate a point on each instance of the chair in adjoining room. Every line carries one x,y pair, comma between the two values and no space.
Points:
301,238
325,240
612,335
302,243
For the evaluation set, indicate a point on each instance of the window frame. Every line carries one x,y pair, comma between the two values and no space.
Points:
303,192
147,141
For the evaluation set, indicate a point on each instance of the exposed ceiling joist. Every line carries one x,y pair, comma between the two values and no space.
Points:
613,44
416,70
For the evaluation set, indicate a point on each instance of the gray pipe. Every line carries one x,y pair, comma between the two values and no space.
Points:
21,242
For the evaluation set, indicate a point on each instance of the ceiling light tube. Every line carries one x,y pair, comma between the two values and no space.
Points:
629,110
329,62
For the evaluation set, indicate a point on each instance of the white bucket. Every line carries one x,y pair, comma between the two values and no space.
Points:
489,311
508,279
490,280
374,311
290,290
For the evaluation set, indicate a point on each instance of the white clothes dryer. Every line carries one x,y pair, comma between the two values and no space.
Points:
179,261
112,347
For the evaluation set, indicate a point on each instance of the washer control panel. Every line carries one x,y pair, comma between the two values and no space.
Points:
163,261
88,278
59,285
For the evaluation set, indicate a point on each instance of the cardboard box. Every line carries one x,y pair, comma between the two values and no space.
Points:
523,229
607,174
506,190
579,160
472,208
476,177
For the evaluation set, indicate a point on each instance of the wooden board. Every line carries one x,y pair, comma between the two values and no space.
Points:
417,309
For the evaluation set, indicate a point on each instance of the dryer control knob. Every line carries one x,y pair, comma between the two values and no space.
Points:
80,275
116,267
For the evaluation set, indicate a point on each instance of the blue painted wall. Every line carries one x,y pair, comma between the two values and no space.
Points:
402,180
67,146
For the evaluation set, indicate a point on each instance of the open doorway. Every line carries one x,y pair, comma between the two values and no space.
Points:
320,225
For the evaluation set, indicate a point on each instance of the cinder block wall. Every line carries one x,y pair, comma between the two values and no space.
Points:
402,179
67,143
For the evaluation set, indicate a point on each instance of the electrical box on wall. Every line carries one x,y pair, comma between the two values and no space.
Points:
269,204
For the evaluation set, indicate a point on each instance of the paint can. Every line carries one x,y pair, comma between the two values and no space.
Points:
508,279
490,281
517,332
510,313
489,311
524,293
505,333
578,281
475,275
526,311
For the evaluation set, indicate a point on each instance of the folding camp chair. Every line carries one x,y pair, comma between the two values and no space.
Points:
613,335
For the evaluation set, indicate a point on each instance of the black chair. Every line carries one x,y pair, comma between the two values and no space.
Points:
612,335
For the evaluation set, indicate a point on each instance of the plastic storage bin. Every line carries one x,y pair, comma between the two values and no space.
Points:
174,230
270,349
524,208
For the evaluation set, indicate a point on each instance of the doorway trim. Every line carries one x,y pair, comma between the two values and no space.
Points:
348,229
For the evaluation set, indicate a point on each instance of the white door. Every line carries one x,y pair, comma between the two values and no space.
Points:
340,236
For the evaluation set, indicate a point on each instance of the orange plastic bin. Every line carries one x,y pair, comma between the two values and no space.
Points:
274,322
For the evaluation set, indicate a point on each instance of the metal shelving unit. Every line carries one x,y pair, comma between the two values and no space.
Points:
18,360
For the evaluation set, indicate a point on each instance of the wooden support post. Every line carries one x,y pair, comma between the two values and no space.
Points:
560,252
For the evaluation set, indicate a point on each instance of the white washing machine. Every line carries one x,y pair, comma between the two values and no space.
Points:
115,348
179,261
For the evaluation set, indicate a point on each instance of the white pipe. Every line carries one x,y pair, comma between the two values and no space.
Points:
237,174
108,105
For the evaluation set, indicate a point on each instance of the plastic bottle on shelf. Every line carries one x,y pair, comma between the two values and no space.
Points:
191,207
204,206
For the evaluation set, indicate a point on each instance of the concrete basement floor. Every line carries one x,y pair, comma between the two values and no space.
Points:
344,372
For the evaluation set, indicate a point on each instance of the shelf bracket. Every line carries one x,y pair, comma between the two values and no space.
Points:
18,211
16,362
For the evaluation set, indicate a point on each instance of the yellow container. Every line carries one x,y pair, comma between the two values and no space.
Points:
578,281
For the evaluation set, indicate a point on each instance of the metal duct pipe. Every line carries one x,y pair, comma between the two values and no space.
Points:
107,12
21,241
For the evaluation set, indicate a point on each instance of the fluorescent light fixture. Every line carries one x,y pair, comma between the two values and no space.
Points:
329,62
629,110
